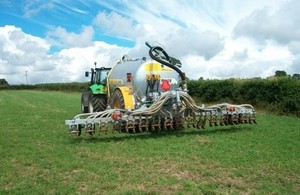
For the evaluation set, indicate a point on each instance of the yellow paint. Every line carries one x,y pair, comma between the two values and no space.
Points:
128,97
155,66
153,77
115,81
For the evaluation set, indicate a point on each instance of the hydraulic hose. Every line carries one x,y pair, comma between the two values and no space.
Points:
167,63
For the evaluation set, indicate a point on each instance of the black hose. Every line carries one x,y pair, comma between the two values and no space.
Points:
164,62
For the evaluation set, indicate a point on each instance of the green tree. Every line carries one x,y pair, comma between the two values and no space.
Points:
3,82
280,73
296,76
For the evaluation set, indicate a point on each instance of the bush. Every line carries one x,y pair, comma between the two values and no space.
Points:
279,94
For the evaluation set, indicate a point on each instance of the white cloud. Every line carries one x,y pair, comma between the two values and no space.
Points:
61,37
213,39
240,58
115,24
281,26
20,52
32,8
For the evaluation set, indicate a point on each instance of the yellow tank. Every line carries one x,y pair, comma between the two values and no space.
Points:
136,82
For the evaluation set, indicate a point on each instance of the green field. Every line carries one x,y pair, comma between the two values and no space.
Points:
39,157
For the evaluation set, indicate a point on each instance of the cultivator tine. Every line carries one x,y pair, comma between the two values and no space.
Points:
234,119
168,124
117,126
201,121
252,118
240,116
179,123
191,121
213,119
103,127
90,128
75,129
156,123
129,126
247,118
143,124
223,120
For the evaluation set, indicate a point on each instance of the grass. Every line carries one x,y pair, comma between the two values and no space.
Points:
39,157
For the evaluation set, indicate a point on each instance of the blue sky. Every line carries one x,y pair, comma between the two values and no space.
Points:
39,17
57,40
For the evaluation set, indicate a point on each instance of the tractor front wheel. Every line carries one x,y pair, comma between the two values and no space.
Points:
84,102
90,104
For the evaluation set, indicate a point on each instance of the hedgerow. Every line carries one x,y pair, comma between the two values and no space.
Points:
66,87
280,95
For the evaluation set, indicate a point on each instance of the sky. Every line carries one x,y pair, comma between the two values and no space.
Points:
54,41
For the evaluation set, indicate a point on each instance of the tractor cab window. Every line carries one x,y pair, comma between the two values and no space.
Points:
100,76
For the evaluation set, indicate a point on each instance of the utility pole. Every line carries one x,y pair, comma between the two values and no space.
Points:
26,77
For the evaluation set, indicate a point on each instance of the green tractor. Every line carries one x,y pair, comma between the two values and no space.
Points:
95,99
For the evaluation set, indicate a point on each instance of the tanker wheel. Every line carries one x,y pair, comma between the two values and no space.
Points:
99,102
118,100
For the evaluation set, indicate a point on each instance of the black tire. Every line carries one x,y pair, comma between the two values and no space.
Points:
84,102
117,100
99,102
90,104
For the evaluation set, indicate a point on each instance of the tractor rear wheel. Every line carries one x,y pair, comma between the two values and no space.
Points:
118,100
97,103
100,103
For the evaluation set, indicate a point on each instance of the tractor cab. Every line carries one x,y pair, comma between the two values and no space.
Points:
99,75
98,79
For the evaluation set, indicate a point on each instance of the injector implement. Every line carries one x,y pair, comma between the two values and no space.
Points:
150,94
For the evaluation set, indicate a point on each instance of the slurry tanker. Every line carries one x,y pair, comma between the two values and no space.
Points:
148,94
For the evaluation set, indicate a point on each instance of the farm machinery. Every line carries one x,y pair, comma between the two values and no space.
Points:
148,94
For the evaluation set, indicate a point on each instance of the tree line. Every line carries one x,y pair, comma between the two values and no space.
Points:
279,94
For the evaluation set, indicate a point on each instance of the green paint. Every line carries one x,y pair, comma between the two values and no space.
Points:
97,89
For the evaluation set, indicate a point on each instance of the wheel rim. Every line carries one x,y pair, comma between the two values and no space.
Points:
91,108
82,107
117,105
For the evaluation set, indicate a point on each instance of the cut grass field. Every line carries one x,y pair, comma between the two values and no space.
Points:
39,157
